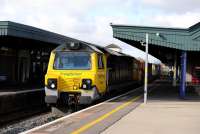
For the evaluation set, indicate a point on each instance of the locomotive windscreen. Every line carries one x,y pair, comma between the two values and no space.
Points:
72,61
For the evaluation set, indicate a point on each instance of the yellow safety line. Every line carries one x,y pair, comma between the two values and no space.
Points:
92,123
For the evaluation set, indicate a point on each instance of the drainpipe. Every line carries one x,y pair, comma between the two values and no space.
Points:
174,70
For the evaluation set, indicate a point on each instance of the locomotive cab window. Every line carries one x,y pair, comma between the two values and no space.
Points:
72,61
100,62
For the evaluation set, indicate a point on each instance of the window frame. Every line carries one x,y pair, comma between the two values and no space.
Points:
100,61
58,52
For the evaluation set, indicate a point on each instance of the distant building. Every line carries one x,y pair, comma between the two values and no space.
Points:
114,47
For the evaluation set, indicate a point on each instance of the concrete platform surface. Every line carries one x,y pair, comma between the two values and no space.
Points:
163,116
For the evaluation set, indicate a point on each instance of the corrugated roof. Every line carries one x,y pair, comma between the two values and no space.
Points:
178,38
8,28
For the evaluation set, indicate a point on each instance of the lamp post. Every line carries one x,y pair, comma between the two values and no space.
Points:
146,69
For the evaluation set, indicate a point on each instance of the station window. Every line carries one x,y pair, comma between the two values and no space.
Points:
100,62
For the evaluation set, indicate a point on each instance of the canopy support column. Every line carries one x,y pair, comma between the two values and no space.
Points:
183,74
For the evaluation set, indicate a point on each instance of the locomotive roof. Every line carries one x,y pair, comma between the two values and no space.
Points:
94,47
106,50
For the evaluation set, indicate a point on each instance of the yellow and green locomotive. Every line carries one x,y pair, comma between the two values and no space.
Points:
82,73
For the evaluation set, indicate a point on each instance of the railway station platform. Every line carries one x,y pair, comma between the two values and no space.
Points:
165,112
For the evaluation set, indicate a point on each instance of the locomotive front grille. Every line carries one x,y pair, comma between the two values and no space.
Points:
69,83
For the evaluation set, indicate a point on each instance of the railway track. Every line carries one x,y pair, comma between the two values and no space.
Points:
28,123
32,119
10,117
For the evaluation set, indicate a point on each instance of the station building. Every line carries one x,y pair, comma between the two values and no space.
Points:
176,47
24,54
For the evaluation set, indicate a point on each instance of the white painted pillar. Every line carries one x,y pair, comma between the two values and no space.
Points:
146,69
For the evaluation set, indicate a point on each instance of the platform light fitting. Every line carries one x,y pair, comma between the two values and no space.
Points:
157,34
142,43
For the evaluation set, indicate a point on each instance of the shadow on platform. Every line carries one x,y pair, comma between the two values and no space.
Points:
164,91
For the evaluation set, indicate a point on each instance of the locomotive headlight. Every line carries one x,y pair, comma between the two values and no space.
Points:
86,83
84,86
52,83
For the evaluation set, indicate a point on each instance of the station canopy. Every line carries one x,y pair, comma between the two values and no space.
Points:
164,42
12,34
15,31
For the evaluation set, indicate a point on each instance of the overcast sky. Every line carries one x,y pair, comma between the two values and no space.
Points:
89,20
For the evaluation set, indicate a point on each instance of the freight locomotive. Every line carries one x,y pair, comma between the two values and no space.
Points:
79,72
